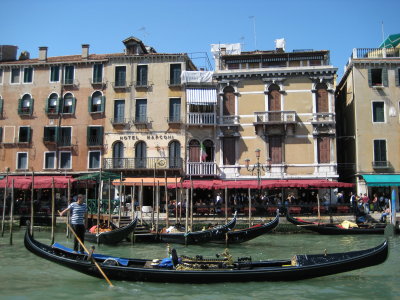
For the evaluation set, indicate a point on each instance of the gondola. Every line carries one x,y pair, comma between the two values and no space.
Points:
198,237
112,237
199,270
244,235
336,229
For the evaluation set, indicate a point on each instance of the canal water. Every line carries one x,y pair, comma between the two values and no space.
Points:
26,276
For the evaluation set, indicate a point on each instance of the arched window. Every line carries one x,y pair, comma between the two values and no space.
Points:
274,103
118,155
194,151
208,151
69,104
25,105
229,101
52,104
174,151
96,102
322,101
140,155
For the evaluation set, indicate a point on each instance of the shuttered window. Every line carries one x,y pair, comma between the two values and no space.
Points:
322,101
377,77
379,152
378,112
229,151
275,149
323,150
229,101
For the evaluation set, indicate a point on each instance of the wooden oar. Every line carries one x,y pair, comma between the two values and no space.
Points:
95,262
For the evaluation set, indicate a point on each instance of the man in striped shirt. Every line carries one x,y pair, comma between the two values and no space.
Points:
78,212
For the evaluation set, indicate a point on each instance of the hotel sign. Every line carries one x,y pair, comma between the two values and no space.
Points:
148,137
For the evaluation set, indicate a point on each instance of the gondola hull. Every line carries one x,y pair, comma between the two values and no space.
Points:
336,229
244,235
306,266
198,237
112,237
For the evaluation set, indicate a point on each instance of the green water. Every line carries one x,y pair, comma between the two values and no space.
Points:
26,276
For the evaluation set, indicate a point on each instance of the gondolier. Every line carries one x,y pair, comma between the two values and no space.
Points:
78,212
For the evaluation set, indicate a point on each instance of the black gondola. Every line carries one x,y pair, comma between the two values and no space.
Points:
243,235
112,237
336,229
198,237
199,270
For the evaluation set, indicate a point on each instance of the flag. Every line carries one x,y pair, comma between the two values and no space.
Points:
203,153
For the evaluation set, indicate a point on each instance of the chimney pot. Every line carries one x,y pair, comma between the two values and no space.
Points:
43,53
85,51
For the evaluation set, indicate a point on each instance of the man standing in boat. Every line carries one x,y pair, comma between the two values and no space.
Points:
78,212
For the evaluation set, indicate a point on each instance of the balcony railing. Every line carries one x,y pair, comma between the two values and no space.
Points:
201,118
174,120
70,81
64,141
119,121
380,164
375,52
323,118
143,84
275,117
201,168
229,120
95,141
119,84
141,120
50,139
143,163
175,82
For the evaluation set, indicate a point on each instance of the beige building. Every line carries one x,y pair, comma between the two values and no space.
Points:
281,103
368,107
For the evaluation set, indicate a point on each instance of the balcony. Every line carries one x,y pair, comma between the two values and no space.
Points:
380,164
275,117
64,142
120,121
149,163
70,82
143,84
98,81
95,141
201,168
201,119
174,120
141,121
25,111
229,121
323,119
50,139
174,83
120,84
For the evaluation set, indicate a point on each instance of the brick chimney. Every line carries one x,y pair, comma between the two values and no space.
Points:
43,53
85,51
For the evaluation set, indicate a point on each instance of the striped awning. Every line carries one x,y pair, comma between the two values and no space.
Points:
201,96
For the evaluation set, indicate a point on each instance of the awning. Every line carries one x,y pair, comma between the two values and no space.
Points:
201,96
382,179
265,184
40,182
147,181
392,41
96,176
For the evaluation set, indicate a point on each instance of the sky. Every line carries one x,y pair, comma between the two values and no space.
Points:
190,26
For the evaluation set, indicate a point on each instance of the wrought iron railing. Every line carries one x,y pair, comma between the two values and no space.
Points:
143,163
275,117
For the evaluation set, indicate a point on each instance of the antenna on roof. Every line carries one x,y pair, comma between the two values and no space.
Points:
254,28
383,36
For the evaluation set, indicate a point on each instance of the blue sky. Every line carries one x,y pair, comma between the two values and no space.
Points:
189,26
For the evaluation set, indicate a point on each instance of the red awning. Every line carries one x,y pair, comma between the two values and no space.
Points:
40,182
264,184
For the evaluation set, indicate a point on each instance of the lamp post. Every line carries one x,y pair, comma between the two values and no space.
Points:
258,167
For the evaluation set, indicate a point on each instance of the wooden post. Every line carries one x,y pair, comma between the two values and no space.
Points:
32,195
249,207
4,205
109,202
133,210
141,202
157,205
166,201
226,205
318,206
187,213
68,202
120,200
53,213
86,202
176,200
12,212
191,204
98,206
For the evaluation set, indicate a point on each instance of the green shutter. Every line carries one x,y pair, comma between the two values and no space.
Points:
103,104
31,107
88,135
1,134
59,105
90,104
397,77
1,106
56,134
370,77
101,133
47,105
73,105
29,135
19,106
45,133
385,77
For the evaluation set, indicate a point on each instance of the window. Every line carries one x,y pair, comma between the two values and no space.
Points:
94,159
50,134
175,74
378,77
95,135
96,103
228,148
174,150
52,104
28,75
24,135
55,74
15,75
140,155
141,75
322,100
97,73
65,160
175,110
275,149
380,159
25,105
141,111
119,111
118,155
324,151
1,106
397,76
22,161
49,160
69,104
120,76
1,76
69,75
1,134
378,112
64,136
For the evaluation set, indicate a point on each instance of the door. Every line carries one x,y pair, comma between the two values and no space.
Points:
140,155
141,110
275,149
274,104
324,150
322,101
118,155
229,149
